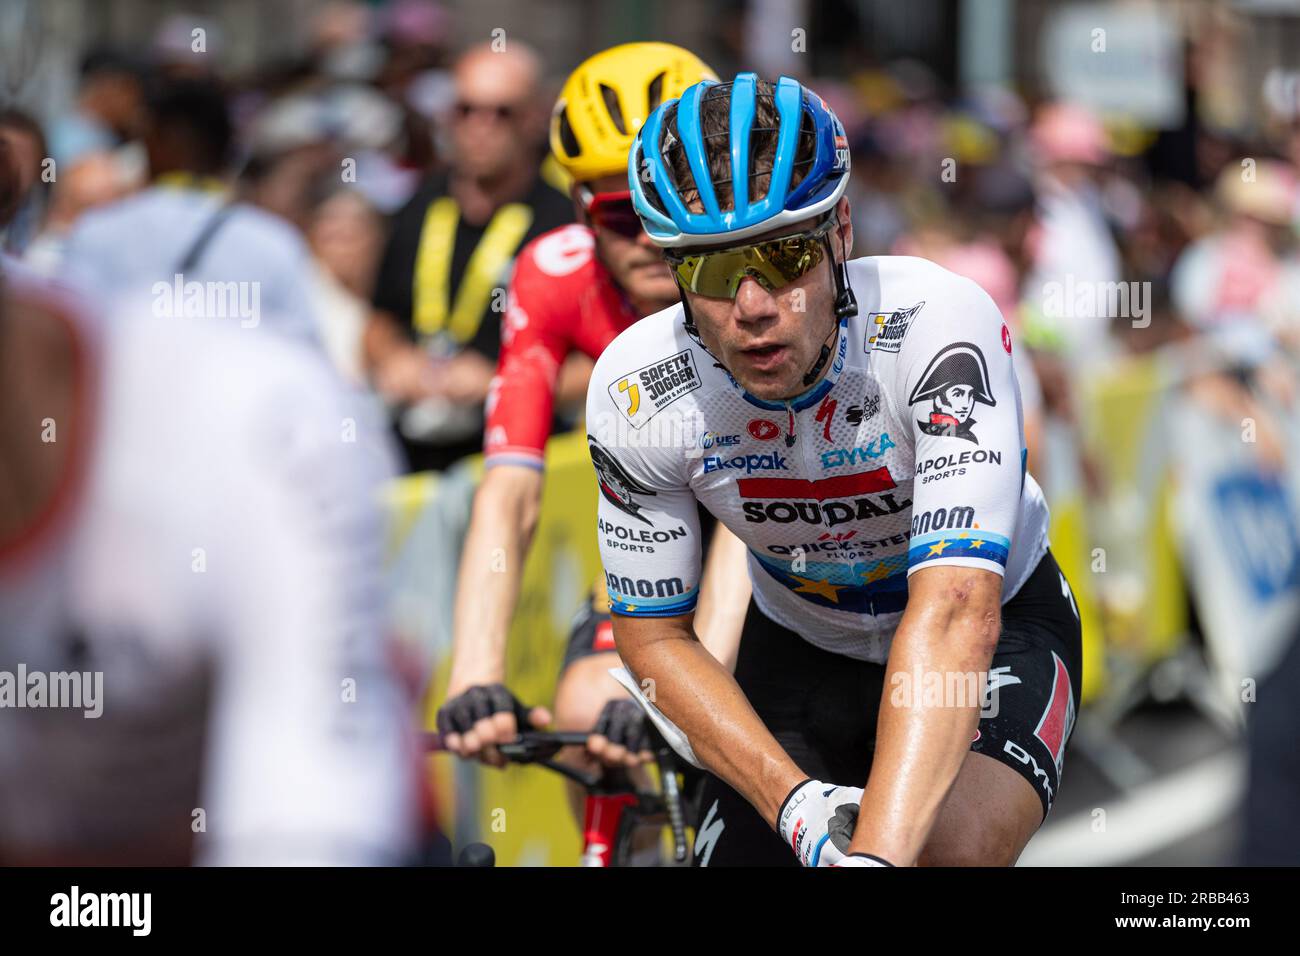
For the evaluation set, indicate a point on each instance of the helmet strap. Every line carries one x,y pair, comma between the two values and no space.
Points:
846,305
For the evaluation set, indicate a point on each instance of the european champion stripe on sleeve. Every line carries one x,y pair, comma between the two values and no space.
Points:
971,543
632,606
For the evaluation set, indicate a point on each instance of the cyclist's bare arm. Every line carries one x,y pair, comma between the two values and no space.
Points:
502,524
700,696
724,597
505,515
571,384
950,628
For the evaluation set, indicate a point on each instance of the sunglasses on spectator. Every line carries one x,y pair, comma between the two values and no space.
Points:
774,263
498,111
612,211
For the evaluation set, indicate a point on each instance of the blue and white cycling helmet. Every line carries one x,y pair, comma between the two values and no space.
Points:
800,114
656,195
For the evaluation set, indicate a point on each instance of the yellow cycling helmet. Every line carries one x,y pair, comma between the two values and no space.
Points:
607,98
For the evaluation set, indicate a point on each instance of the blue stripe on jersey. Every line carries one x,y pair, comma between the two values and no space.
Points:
818,391
859,589
629,605
971,543
811,397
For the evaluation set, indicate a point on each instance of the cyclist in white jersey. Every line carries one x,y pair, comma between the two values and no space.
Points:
857,424
192,657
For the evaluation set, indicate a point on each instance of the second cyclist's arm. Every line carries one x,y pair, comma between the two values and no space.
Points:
504,518
508,502
699,695
725,591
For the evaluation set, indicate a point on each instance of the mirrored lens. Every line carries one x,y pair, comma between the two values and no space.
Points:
774,263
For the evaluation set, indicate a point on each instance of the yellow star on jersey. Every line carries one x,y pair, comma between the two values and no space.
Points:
822,586
881,570
937,549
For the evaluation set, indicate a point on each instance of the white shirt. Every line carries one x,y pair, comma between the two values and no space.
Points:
219,563
126,257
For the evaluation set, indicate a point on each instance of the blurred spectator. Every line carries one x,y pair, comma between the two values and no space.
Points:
222,687
1070,246
443,272
26,200
108,111
185,244
187,47
346,236
415,33
96,179
388,148
1243,278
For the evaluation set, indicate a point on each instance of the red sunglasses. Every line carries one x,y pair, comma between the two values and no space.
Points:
612,211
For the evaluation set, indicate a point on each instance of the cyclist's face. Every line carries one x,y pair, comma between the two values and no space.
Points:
769,340
637,265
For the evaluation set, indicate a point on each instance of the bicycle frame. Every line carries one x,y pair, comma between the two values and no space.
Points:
614,806
602,828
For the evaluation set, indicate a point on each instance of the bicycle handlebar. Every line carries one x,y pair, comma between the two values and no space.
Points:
539,746
527,747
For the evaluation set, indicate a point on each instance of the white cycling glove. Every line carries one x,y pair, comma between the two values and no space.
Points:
862,859
817,820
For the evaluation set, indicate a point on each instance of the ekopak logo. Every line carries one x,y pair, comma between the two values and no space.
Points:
763,429
746,463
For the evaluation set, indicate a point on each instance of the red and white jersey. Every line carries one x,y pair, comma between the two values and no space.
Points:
560,300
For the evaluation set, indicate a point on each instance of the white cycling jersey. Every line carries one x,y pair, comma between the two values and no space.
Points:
216,560
909,453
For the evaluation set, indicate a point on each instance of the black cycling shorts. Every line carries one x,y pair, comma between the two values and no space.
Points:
592,630
822,709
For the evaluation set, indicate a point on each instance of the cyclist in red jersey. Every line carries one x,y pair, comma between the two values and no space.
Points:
573,290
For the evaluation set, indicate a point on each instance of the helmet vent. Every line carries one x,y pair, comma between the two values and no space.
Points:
567,138
656,92
615,110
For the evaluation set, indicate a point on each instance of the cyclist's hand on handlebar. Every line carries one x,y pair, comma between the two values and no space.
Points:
474,722
817,821
621,737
